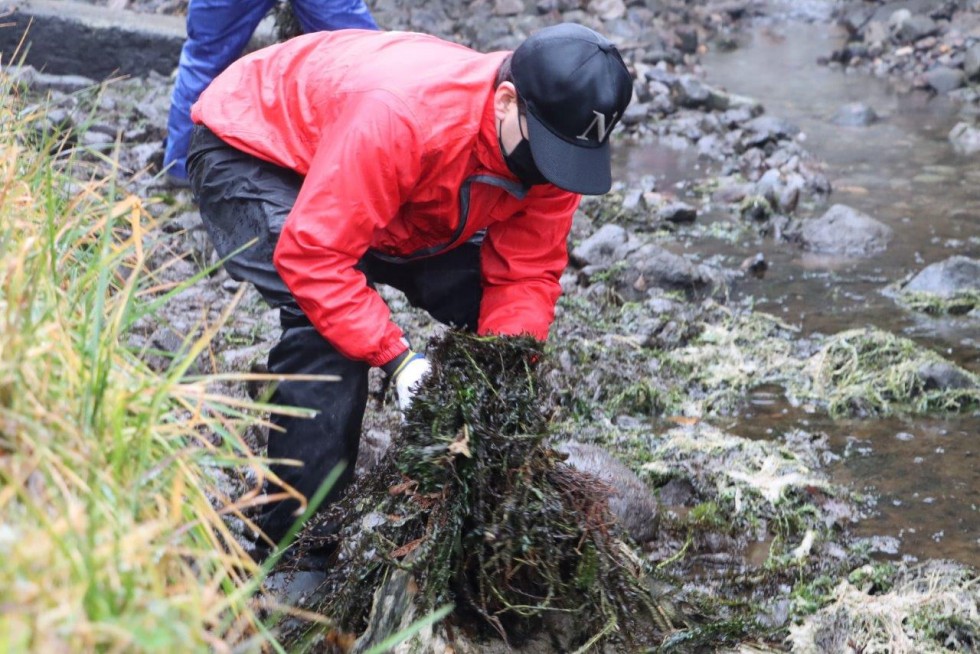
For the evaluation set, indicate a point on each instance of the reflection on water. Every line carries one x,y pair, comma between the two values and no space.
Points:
902,171
667,164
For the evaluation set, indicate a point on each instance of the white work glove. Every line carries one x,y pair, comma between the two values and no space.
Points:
407,378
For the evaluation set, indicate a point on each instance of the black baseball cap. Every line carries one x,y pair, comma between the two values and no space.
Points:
575,86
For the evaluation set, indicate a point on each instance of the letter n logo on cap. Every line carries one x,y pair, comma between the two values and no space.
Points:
599,122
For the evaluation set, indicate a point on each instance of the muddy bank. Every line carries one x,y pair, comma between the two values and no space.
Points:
655,355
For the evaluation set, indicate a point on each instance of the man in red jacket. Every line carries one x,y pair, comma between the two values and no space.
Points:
340,160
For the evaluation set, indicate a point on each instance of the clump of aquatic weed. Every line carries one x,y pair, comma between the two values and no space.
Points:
475,504
700,361
929,607
958,303
733,353
872,372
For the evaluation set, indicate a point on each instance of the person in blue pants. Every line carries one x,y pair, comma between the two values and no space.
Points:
217,33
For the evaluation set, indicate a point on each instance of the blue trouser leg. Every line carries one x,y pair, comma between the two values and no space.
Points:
319,15
217,33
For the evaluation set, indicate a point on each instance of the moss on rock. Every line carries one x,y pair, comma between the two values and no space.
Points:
871,372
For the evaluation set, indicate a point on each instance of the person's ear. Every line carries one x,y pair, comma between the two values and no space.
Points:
503,97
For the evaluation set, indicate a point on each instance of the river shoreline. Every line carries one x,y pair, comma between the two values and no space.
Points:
663,353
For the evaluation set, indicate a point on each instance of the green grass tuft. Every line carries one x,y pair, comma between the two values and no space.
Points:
113,529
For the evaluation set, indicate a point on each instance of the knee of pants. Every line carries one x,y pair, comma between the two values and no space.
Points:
339,401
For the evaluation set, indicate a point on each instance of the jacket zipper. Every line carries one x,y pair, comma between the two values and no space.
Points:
515,189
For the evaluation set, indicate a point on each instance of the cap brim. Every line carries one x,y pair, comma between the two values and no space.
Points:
579,169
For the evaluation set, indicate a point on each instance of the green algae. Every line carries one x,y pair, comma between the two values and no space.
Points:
928,607
869,372
731,356
669,358
756,490
955,304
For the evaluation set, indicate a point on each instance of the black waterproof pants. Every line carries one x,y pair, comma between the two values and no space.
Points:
242,199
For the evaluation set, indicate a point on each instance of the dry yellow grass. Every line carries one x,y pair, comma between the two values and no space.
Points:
112,530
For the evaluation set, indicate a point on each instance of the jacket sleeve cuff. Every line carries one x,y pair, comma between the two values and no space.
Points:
390,352
394,366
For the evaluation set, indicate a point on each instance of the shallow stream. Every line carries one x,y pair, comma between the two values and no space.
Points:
902,171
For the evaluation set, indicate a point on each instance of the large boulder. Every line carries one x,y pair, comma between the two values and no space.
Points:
947,278
630,500
843,230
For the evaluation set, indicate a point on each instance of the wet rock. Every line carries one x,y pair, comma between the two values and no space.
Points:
62,83
687,39
653,266
145,155
742,104
678,213
946,278
876,35
855,114
971,62
631,501
944,80
607,9
296,587
766,129
737,116
661,76
854,18
96,141
657,55
731,190
711,146
943,375
508,7
843,230
789,194
633,200
943,9
908,28
600,247
718,101
769,185
691,93
755,208
662,103
756,266
243,358
677,492
635,114
965,139
690,125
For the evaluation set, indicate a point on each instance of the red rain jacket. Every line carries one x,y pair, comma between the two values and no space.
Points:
396,137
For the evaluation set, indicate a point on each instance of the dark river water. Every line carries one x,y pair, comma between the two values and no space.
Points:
903,172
